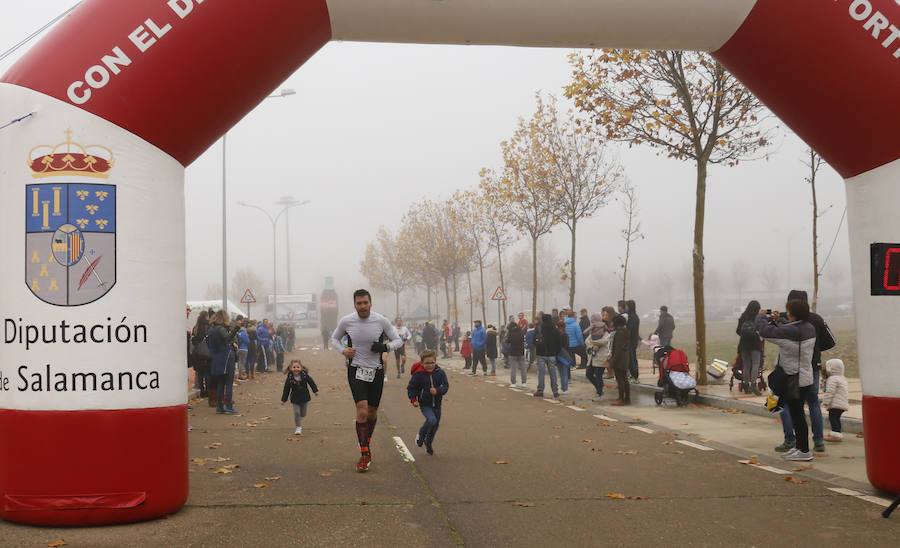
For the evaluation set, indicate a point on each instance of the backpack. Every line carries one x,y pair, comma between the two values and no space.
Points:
748,331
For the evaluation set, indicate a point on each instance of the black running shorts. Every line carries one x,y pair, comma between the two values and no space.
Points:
400,352
366,391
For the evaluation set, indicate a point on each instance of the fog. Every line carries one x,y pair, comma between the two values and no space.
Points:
374,128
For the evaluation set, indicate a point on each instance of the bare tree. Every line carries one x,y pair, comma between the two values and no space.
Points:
582,174
384,266
498,230
814,163
631,233
770,275
684,104
740,271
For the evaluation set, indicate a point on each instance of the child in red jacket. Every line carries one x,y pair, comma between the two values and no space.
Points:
466,350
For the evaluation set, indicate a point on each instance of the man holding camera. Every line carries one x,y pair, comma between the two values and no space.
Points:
365,331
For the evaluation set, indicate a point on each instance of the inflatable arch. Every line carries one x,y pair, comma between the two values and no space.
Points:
125,94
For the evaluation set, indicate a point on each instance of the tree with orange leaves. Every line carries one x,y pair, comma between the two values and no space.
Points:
684,104
384,265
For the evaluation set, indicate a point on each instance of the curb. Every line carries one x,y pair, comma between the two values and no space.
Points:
849,425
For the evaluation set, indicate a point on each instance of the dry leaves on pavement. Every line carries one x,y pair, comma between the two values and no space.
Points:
273,478
58,542
629,452
501,461
525,504
668,443
629,497
223,471
802,468
587,441
678,452
326,474
214,445
848,457
260,485
792,479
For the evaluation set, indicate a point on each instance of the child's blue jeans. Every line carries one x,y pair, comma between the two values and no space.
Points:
432,421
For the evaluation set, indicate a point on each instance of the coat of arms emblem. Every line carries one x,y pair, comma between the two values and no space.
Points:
70,227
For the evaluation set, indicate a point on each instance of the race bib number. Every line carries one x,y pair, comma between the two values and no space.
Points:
365,375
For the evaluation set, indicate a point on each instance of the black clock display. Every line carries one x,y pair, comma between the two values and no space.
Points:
885,269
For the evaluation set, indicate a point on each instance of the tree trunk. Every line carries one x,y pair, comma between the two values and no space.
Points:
502,283
533,276
815,221
572,270
699,302
447,296
455,302
397,303
428,299
471,304
483,303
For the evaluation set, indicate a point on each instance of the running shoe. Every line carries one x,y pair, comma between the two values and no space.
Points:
428,449
365,461
298,430
790,453
419,440
802,456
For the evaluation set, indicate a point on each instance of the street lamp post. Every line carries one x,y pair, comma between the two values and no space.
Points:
274,221
289,201
283,93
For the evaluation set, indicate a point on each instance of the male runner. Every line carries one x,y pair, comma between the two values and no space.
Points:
365,331
400,353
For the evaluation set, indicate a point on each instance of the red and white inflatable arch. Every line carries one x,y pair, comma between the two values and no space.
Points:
128,93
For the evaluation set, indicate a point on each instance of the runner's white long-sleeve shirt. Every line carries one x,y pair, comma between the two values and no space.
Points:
362,333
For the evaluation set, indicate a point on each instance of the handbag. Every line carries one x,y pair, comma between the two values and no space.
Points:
784,385
564,357
201,349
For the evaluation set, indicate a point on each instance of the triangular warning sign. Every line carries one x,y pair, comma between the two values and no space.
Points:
248,297
498,295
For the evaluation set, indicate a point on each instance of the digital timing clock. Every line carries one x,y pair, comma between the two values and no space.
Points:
885,269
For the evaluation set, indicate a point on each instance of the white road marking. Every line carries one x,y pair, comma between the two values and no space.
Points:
575,408
605,418
868,498
764,467
515,389
694,445
550,400
404,452
642,429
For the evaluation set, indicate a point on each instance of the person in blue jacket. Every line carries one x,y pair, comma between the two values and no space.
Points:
243,348
576,338
264,340
426,390
479,347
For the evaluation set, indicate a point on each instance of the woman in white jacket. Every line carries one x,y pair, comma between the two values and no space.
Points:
835,398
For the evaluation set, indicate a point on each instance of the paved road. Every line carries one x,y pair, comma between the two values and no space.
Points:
509,469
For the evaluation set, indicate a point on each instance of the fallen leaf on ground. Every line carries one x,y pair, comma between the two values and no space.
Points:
792,479
629,452
59,542
554,437
802,468
273,478
615,496
336,424
704,440
848,457
232,466
693,434
501,462
819,454
668,443
752,456
223,471
260,485
557,427
587,441
749,461
525,504
215,445
622,431
266,418
198,460
678,452
603,424
325,474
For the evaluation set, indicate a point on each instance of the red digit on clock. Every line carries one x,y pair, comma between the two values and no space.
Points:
892,271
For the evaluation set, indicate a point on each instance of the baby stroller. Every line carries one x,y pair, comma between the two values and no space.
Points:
737,373
675,378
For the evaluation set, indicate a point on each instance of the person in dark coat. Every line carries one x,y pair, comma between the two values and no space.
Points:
750,348
515,340
222,366
666,327
634,325
297,383
426,390
200,361
619,358
490,348
430,336
546,346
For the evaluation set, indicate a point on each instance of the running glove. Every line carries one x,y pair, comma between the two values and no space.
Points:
379,347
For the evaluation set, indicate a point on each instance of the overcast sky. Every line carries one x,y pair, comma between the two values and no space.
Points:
376,127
